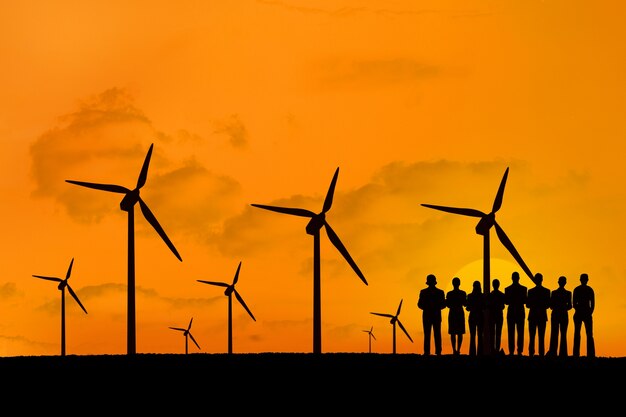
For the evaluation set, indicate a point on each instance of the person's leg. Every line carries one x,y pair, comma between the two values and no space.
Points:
591,348
532,331
541,328
520,335
437,333
426,326
498,333
554,335
510,332
563,346
576,346
472,347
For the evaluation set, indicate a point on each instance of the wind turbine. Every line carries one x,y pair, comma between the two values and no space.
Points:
131,197
229,291
486,222
370,335
187,334
318,220
395,320
63,284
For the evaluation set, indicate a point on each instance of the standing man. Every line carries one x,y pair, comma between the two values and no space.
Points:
515,298
584,303
561,304
495,304
538,303
431,301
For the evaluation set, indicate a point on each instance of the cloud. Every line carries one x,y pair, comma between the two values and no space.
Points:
382,223
106,140
342,11
372,73
234,129
8,290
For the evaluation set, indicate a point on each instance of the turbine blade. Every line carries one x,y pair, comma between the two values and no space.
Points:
76,298
497,203
49,278
153,221
189,327
178,328
372,334
69,270
457,210
328,202
382,315
404,330
244,304
509,245
219,284
342,249
286,210
237,274
194,341
399,308
143,175
105,187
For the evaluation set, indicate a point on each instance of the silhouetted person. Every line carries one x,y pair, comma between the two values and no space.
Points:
583,301
431,301
538,303
456,299
560,304
495,304
476,304
515,298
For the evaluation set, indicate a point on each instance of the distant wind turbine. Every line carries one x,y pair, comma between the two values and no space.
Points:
486,222
395,320
187,334
370,335
229,291
318,220
131,197
63,284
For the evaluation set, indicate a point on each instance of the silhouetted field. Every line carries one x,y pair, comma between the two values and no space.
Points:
343,379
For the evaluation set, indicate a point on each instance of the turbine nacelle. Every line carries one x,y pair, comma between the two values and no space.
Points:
485,224
315,224
129,200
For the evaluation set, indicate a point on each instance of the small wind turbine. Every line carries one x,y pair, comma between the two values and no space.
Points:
395,320
131,198
63,284
370,335
229,291
318,220
486,222
187,334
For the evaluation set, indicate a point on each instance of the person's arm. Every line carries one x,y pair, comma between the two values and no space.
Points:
592,300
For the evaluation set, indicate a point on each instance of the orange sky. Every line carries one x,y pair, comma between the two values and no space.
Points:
259,102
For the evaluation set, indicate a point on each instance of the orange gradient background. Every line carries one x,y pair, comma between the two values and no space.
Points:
259,102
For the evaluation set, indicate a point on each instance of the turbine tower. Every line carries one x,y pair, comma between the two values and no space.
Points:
483,228
229,291
318,220
395,320
63,284
131,198
187,334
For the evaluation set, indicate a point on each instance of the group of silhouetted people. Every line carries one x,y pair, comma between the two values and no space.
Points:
488,310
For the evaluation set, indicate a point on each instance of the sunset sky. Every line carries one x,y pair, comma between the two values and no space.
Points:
260,102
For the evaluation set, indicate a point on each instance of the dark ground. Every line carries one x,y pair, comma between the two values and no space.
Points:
277,382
